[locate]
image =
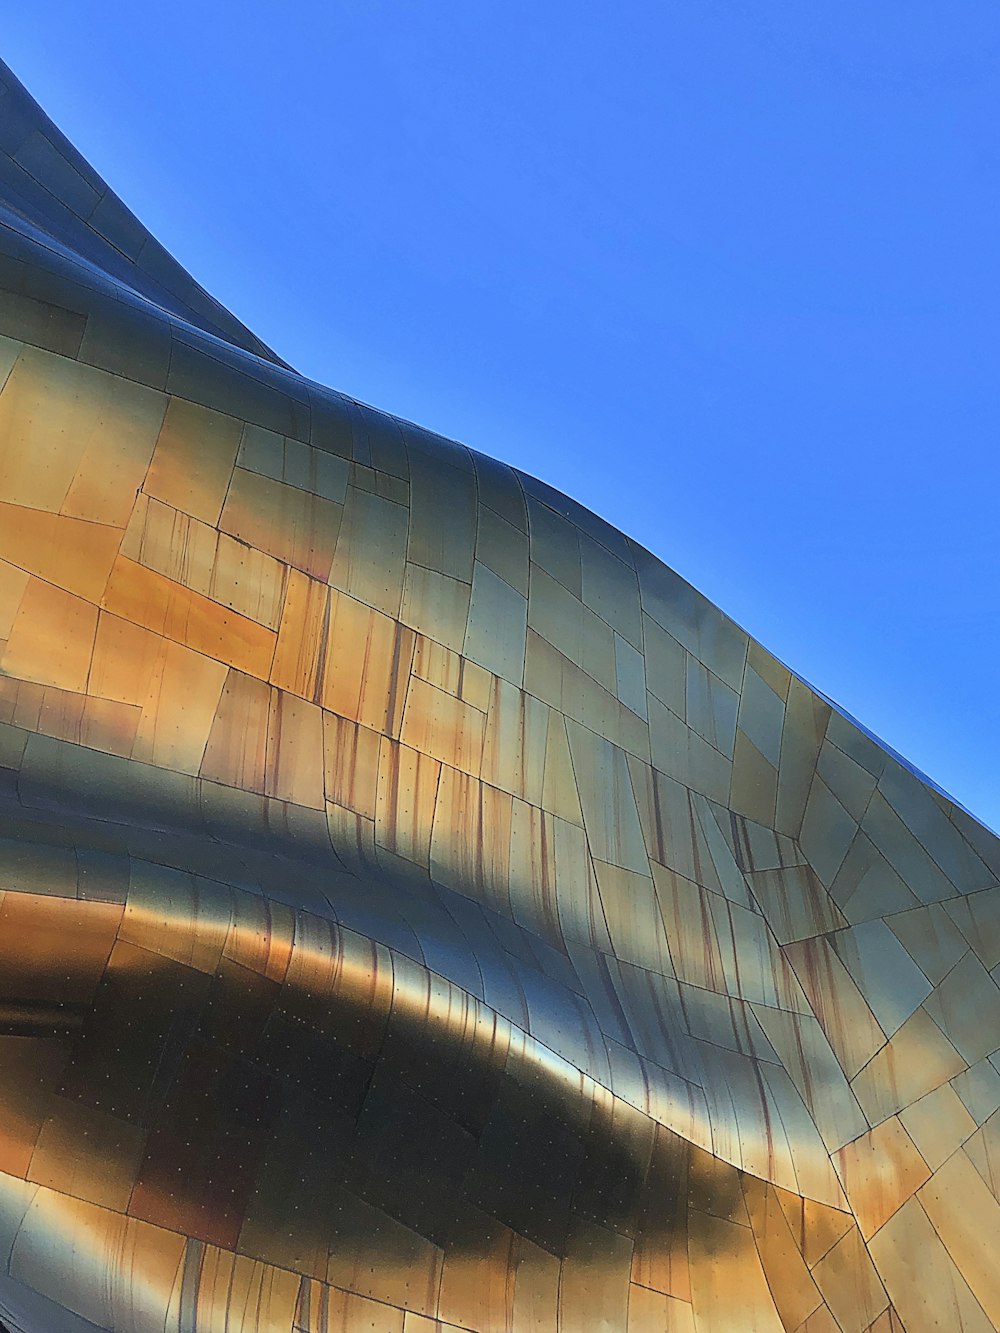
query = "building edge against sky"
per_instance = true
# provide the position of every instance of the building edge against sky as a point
(418, 903)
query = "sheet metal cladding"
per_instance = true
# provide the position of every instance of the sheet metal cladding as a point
(420, 909)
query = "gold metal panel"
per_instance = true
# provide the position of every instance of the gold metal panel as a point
(294, 765)
(143, 597)
(13, 582)
(966, 1215)
(100, 724)
(471, 840)
(125, 658)
(978, 918)
(178, 710)
(918, 1059)
(477, 1280)
(966, 1007)
(371, 550)
(536, 1289)
(351, 764)
(652, 1312)
(52, 638)
(794, 903)
(439, 666)
(866, 886)
(577, 632)
(438, 724)
(557, 681)
(436, 605)
(236, 752)
(842, 1012)
(515, 742)
(74, 439)
(503, 548)
(194, 458)
(633, 916)
(366, 680)
(560, 794)
(404, 802)
(880, 1170)
(926, 1287)
(33, 1067)
(610, 815)
(730, 1296)
(611, 589)
(295, 526)
(205, 560)
(594, 1287)
(795, 1293)
(72, 554)
(754, 789)
(533, 885)
(301, 646)
(177, 915)
(498, 621)
(850, 1284)
(938, 1124)
(806, 718)
(682, 754)
(812, 1066)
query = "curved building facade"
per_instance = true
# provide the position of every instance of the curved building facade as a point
(420, 909)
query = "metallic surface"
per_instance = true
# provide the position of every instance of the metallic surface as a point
(419, 908)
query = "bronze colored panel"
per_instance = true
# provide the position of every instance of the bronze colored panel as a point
(351, 764)
(52, 638)
(404, 804)
(371, 550)
(850, 1284)
(294, 766)
(194, 459)
(907, 1244)
(734, 1297)
(75, 440)
(436, 605)
(471, 840)
(33, 1066)
(442, 726)
(918, 1059)
(236, 753)
(795, 1293)
(203, 1148)
(880, 1170)
(178, 709)
(35, 926)
(301, 647)
(143, 597)
(367, 683)
(294, 526)
(68, 552)
(839, 1006)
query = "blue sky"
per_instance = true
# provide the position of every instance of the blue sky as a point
(729, 274)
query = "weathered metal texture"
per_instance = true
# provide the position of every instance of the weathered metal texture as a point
(419, 908)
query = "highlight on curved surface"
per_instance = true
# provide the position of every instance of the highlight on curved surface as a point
(419, 908)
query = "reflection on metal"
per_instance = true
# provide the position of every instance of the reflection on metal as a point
(419, 908)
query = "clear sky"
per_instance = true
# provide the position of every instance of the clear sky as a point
(727, 273)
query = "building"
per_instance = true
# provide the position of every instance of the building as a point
(419, 908)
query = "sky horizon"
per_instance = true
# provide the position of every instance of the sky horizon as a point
(730, 280)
